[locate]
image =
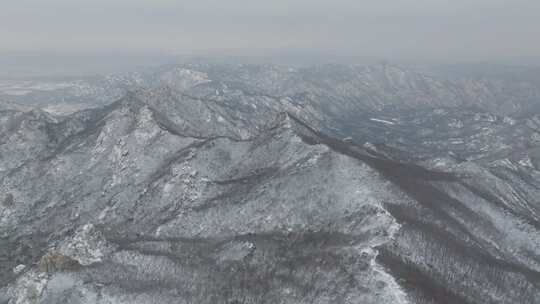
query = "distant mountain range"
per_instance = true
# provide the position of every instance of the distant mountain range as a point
(209, 183)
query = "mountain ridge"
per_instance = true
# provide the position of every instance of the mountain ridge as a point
(156, 199)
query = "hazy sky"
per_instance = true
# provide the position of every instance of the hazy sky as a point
(430, 29)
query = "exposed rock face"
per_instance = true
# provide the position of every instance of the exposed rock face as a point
(214, 191)
(52, 262)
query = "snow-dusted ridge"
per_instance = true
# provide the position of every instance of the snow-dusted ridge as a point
(266, 192)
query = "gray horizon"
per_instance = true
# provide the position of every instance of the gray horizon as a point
(406, 30)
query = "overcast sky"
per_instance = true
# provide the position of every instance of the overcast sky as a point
(451, 30)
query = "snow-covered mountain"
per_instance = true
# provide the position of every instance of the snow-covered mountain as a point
(261, 184)
(376, 87)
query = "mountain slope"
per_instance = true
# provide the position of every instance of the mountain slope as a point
(236, 201)
(173, 195)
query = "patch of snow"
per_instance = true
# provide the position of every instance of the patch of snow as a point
(19, 268)
(236, 251)
(28, 288)
(87, 246)
(383, 121)
(526, 162)
(509, 121)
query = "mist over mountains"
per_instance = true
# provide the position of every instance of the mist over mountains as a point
(249, 183)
